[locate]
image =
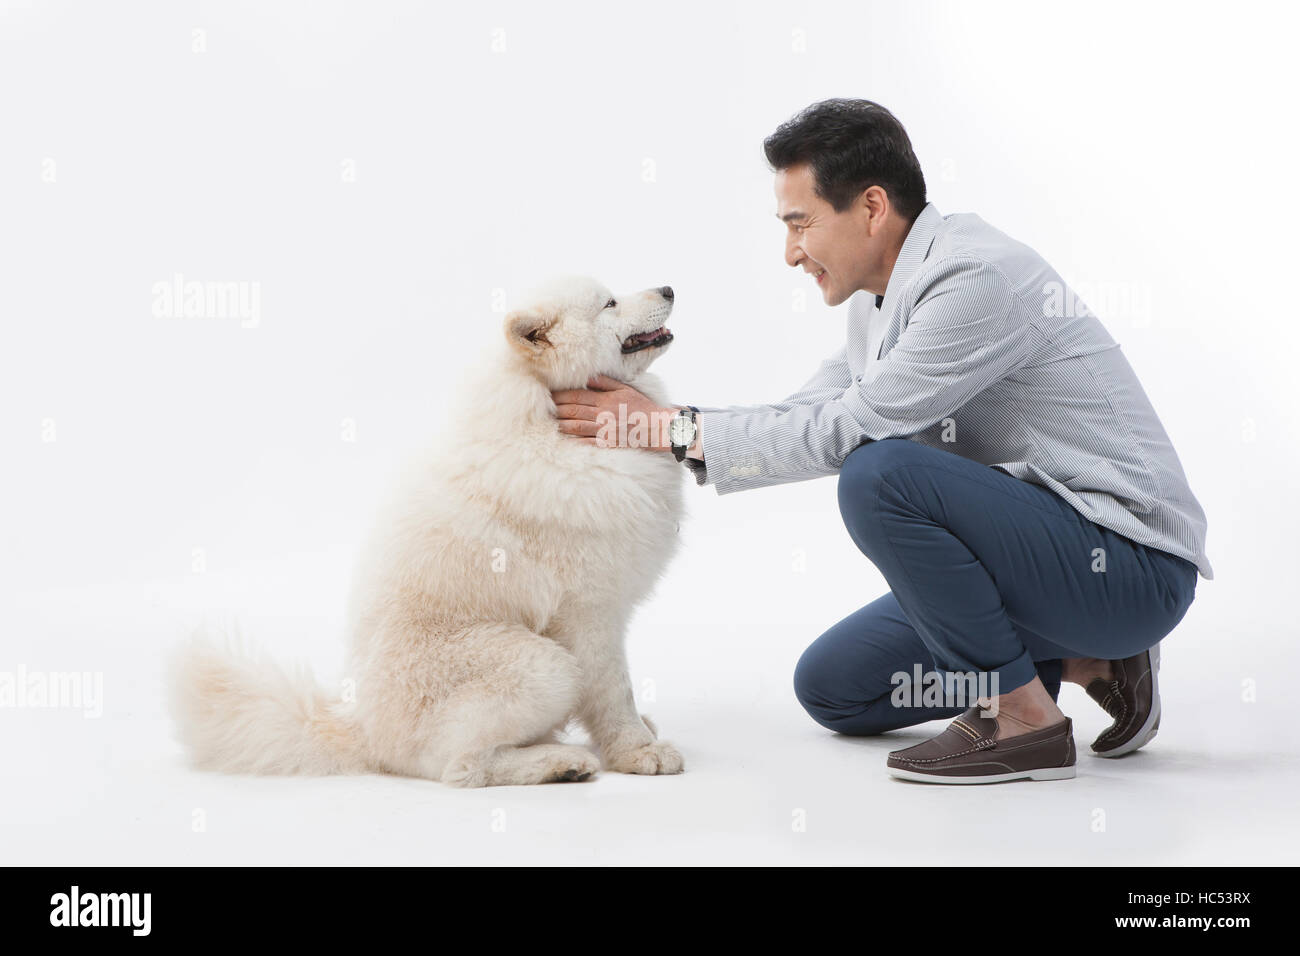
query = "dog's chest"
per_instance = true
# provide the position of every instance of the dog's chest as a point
(635, 531)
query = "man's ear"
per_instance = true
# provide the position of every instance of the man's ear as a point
(526, 329)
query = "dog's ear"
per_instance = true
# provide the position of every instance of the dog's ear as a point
(526, 329)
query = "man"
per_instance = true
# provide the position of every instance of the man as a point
(998, 461)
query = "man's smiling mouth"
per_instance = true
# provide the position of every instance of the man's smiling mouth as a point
(647, 340)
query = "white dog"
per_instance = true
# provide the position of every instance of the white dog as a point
(491, 604)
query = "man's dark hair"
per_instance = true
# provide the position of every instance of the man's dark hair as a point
(850, 145)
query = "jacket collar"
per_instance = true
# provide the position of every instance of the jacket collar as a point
(915, 248)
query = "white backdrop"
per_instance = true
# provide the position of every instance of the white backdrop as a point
(380, 178)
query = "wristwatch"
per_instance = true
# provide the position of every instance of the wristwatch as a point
(682, 430)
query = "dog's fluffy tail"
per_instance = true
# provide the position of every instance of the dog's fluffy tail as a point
(237, 711)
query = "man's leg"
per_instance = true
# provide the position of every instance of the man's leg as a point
(845, 678)
(975, 557)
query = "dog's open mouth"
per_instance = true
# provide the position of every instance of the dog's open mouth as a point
(647, 340)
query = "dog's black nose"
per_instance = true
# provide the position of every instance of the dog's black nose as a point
(666, 292)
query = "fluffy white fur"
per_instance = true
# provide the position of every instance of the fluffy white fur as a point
(490, 606)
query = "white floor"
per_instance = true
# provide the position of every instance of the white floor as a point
(763, 784)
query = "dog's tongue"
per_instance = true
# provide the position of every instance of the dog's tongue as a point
(649, 336)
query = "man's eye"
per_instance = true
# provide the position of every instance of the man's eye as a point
(610, 304)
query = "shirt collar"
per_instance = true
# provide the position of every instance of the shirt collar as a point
(913, 253)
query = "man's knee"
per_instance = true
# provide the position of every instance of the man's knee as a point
(807, 683)
(869, 461)
(859, 483)
(813, 691)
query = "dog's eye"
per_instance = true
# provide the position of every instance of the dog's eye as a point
(610, 304)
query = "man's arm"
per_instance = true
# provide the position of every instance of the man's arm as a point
(967, 330)
(828, 382)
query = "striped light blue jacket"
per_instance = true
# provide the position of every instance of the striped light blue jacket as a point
(984, 352)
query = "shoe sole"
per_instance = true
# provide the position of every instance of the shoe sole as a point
(1042, 773)
(1149, 727)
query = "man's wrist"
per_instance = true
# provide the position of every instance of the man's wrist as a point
(696, 450)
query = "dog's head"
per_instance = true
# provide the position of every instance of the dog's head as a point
(573, 328)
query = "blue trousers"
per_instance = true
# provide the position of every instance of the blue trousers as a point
(988, 574)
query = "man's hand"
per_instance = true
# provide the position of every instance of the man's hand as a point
(610, 414)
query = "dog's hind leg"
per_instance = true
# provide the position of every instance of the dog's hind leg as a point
(507, 766)
(498, 726)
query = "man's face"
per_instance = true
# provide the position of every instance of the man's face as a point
(844, 247)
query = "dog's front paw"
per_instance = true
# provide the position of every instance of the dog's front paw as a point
(465, 772)
(657, 757)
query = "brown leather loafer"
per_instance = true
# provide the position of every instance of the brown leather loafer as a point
(966, 752)
(1132, 699)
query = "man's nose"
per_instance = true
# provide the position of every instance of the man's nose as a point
(793, 256)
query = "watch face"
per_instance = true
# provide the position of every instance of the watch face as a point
(681, 431)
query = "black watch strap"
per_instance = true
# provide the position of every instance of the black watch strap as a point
(696, 465)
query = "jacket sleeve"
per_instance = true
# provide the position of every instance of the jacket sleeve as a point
(827, 383)
(967, 330)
